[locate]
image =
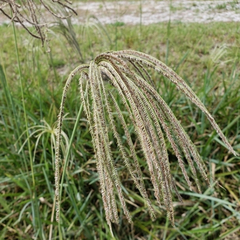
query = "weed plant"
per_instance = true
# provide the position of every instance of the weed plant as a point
(31, 89)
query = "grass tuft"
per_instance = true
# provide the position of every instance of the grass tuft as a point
(188, 50)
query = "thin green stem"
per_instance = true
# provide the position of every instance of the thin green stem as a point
(66, 160)
(35, 213)
(23, 104)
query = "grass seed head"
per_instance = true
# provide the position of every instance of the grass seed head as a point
(154, 125)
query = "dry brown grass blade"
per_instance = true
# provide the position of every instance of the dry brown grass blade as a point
(31, 13)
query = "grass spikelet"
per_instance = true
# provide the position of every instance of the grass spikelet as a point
(154, 125)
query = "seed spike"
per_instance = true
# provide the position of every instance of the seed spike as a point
(154, 124)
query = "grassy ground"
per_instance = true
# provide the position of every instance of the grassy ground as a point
(207, 56)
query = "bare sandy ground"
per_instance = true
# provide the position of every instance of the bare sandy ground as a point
(149, 11)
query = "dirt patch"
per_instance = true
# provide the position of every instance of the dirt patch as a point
(147, 12)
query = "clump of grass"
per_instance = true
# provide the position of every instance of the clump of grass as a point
(211, 215)
(155, 125)
(221, 6)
